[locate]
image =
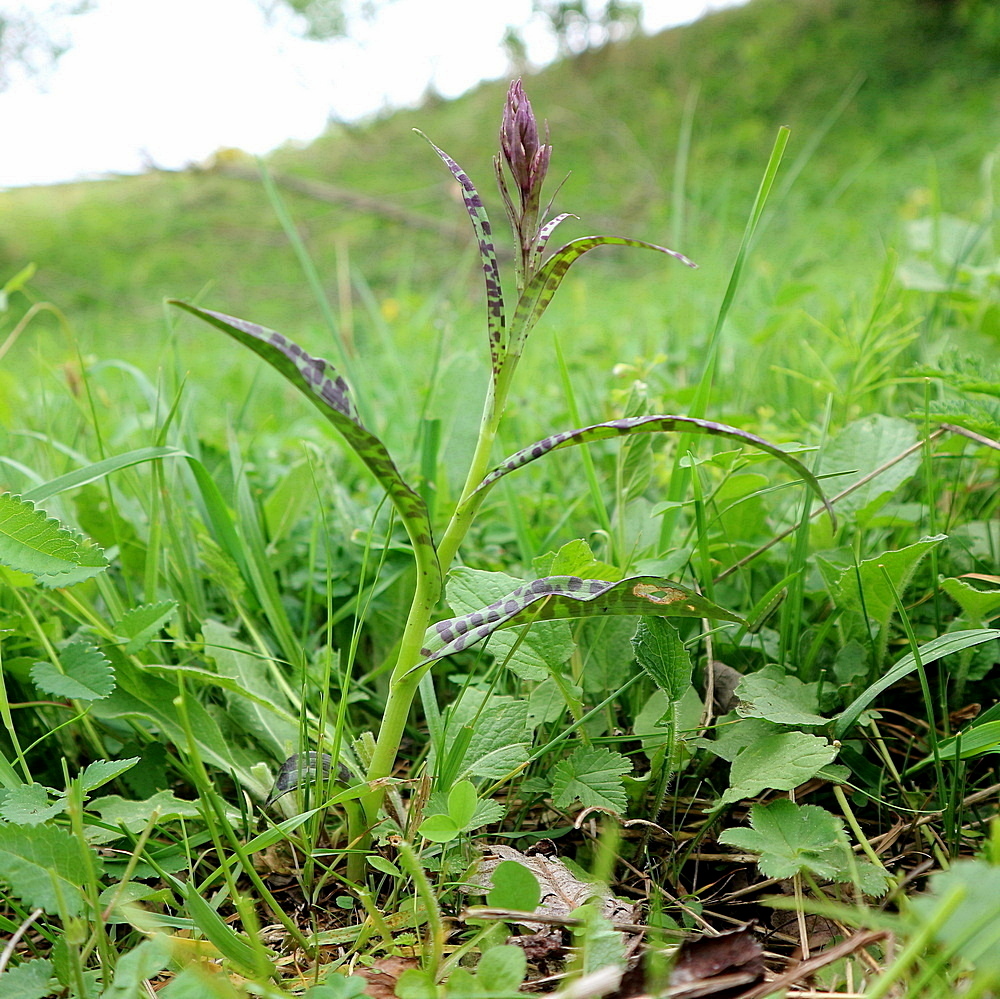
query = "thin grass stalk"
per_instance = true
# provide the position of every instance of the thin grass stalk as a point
(679, 475)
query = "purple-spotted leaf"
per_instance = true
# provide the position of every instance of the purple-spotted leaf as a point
(555, 598)
(648, 425)
(318, 381)
(545, 232)
(495, 318)
(542, 286)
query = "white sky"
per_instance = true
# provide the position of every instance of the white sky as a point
(169, 81)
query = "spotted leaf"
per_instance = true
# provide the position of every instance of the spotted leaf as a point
(496, 320)
(648, 425)
(319, 382)
(542, 286)
(554, 598)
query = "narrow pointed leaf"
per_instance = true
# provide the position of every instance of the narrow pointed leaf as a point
(546, 231)
(491, 271)
(561, 597)
(99, 469)
(649, 425)
(319, 382)
(541, 288)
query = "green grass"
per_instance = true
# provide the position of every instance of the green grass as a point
(259, 584)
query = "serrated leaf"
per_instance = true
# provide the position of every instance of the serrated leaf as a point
(648, 425)
(317, 379)
(565, 597)
(44, 867)
(660, 652)
(864, 588)
(86, 674)
(859, 449)
(29, 805)
(593, 777)
(98, 774)
(781, 761)
(791, 838)
(29, 980)
(141, 623)
(772, 694)
(33, 543)
(135, 815)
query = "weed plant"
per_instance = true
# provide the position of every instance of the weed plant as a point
(680, 669)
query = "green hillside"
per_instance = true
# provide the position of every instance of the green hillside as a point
(891, 116)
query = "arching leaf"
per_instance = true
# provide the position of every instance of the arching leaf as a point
(319, 382)
(648, 425)
(555, 598)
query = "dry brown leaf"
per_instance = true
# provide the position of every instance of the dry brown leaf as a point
(383, 975)
(562, 891)
(720, 966)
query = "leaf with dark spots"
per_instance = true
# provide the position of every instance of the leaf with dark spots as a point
(495, 318)
(542, 286)
(720, 966)
(649, 425)
(555, 598)
(320, 383)
(546, 231)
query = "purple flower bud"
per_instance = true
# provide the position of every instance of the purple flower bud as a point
(527, 159)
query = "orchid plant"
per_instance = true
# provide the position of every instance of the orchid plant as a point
(521, 166)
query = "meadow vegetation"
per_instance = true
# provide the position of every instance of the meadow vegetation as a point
(704, 706)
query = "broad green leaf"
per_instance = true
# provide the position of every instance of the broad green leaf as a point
(320, 383)
(135, 815)
(99, 469)
(575, 559)
(86, 674)
(499, 734)
(859, 449)
(29, 980)
(415, 983)
(194, 982)
(661, 653)
(501, 969)
(977, 604)
(383, 865)
(781, 762)
(601, 947)
(141, 623)
(29, 805)
(139, 964)
(514, 887)
(545, 647)
(930, 652)
(791, 838)
(972, 926)
(439, 829)
(141, 694)
(462, 800)
(648, 425)
(338, 987)
(592, 776)
(864, 588)
(732, 737)
(772, 694)
(31, 542)
(495, 317)
(539, 291)
(98, 773)
(267, 717)
(564, 597)
(124, 896)
(44, 867)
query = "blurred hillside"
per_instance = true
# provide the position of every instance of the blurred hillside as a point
(893, 112)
